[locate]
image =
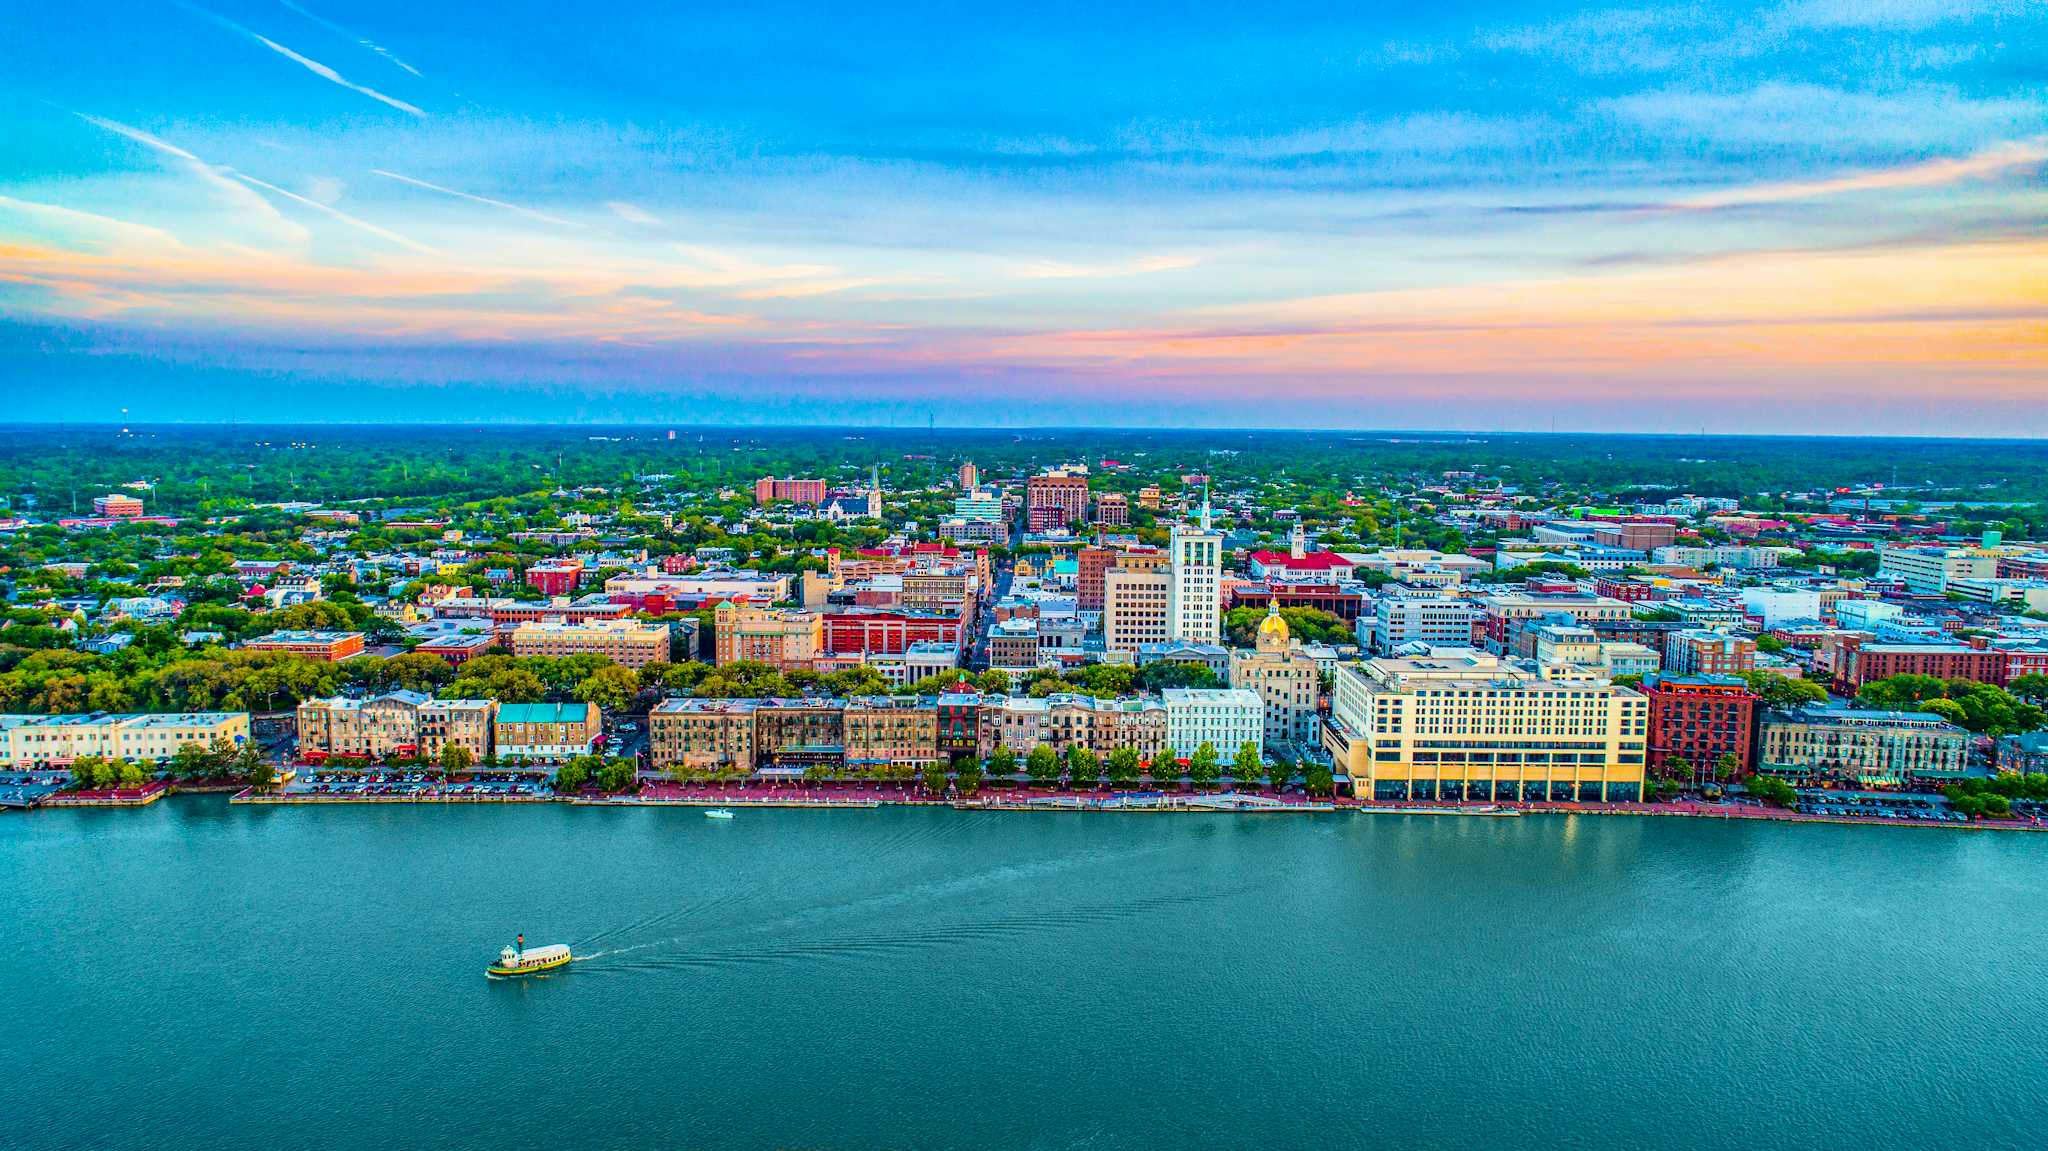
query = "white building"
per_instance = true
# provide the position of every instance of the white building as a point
(1194, 590)
(1225, 718)
(1865, 614)
(1776, 606)
(1417, 616)
(28, 740)
(1928, 570)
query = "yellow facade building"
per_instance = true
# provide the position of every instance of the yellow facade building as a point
(1463, 725)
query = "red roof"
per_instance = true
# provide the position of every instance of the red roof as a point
(1313, 561)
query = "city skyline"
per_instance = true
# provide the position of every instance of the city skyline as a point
(1811, 215)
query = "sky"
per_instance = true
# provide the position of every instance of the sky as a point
(1783, 216)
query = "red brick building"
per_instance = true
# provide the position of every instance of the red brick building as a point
(1875, 661)
(1699, 719)
(1055, 500)
(769, 490)
(1092, 563)
(875, 632)
(1344, 603)
(555, 577)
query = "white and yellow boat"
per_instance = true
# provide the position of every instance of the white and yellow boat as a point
(524, 960)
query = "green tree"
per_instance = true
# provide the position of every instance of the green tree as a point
(1042, 765)
(1771, 790)
(1084, 768)
(1318, 779)
(260, 774)
(934, 778)
(967, 774)
(1249, 767)
(191, 761)
(455, 758)
(91, 773)
(1125, 765)
(571, 776)
(1002, 763)
(1780, 691)
(610, 687)
(1165, 769)
(2032, 688)
(1205, 767)
(618, 775)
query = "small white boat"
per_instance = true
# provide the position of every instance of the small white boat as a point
(718, 813)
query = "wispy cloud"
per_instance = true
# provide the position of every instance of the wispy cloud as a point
(309, 64)
(326, 73)
(1059, 270)
(1904, 14)
(1990, 162)
(338, 214)
(220, 178)
(101, 231)
(630, 213)
(338, 30)
(473, 198)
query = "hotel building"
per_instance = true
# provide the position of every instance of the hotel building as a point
(1460, 724)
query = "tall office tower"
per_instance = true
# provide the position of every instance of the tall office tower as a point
(1194, 594)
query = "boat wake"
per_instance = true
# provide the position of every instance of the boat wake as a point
(675, 955)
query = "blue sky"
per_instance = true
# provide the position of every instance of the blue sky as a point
(1795, 215)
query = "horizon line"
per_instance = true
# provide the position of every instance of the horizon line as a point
(1008, 429)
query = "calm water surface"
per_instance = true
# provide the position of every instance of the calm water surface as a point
(201, 976)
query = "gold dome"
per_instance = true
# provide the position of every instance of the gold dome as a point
(1273, 633)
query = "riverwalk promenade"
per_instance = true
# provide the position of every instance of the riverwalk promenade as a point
(867, 796)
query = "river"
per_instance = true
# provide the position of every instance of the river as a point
(196, 975)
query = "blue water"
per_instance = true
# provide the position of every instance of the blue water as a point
(199, 976)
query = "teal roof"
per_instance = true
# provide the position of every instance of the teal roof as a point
(543, 712)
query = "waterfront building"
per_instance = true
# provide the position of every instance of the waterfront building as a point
(1065, 720)
(138, 737)
(1466, 725)
(396, 723)
(706, 735)
(320, 646)
(890, 731)
(1867, 748)
(545, 731)
(1286, 681)
(1224, 718)
(1698, 720)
